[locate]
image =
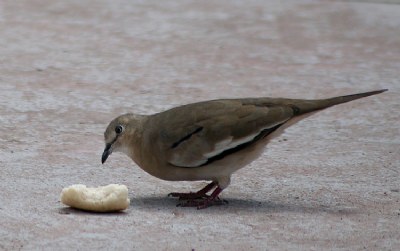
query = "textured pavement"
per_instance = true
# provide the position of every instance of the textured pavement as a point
(331, 182)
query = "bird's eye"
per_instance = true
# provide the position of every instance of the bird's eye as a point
(119, 129)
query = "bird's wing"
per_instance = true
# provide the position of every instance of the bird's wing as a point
(210, 131)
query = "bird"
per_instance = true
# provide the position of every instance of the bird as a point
(209, 140)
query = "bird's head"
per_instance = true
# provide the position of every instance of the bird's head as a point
(118, 134)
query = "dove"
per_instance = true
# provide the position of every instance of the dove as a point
(208, 140)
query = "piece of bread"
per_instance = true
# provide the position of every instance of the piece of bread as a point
(108, 198)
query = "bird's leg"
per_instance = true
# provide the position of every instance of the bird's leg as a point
(196, 195)
(205, 202)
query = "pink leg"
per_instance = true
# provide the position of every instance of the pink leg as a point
(205, 202)
(196, 195)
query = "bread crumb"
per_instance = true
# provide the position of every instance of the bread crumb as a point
(113, 197)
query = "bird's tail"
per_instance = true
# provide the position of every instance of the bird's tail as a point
(306, 106)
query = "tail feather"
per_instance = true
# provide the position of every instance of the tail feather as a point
(306, 106)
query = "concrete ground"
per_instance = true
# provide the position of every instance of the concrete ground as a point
(67, 68)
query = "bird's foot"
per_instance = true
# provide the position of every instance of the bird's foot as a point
(201, 194)
(200, 199)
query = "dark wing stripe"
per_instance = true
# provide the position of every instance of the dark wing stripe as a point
(177, 143)
(225, 153)
(296, 110)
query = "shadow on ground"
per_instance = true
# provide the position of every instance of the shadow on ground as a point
(70, 210)
(246, 205)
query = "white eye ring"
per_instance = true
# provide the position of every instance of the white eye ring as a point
(119, 129)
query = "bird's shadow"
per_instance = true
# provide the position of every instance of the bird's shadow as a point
(235, 205)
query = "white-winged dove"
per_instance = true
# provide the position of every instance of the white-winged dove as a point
(208, 140)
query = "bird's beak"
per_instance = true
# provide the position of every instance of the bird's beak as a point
(106, 153)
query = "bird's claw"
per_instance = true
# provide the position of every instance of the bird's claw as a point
(200, 199)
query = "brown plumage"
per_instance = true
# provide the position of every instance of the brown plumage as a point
(208, 140)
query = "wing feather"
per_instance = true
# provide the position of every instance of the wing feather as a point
(207, 134)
